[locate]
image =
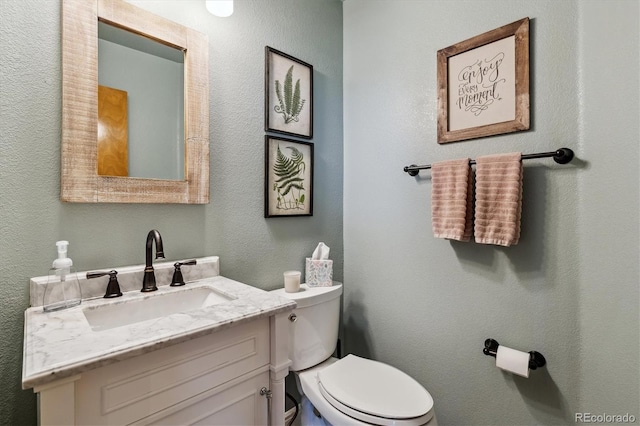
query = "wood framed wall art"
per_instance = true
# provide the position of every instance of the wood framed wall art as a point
(483, 84)
(288, 95)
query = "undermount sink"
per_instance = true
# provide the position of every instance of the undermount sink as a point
(153, 306)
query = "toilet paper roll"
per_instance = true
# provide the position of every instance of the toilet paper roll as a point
(516, 362)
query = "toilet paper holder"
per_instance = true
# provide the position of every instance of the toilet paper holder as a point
(536, 359)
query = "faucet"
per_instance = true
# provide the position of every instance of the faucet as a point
(149, 280)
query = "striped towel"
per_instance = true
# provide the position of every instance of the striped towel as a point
(452, 199)
(498, 199)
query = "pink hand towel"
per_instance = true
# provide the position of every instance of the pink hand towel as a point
(452, 199)
(498, 199)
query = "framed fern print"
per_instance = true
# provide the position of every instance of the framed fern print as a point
(288, 177)
(288, 95)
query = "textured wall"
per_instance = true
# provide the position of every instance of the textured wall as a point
(608, 197)
(569, 289)
(252, 249)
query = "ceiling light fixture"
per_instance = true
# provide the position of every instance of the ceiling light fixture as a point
(221, 8)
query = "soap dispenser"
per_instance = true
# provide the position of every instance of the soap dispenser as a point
(63, 289)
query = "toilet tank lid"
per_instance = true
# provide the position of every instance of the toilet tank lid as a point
(309, 296)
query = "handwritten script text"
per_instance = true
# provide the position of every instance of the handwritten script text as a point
(479, 84)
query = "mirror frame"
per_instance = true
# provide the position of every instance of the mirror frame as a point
(80, 181)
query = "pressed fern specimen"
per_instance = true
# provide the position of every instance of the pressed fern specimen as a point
(290, 105)
(289, 173)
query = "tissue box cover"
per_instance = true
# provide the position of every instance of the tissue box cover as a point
(319, 273)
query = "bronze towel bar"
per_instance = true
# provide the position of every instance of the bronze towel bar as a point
(560, 156)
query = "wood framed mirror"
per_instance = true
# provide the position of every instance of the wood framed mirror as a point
(80, 181)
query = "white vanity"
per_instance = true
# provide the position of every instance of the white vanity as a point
(214, 351)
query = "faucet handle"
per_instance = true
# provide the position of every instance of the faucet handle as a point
(177, 279)
(113, 288)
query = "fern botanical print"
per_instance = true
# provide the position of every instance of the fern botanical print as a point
(289, 184)
(290, 105)
(288, 177)
(288, 99)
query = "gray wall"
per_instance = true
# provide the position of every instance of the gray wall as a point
(252, 249)
(569, 289)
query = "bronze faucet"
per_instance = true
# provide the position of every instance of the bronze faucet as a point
(149, 280)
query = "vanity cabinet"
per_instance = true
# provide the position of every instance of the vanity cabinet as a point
(194, 364)
(215, 379)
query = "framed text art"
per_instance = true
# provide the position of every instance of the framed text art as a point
(288, 177)
(288, 95)
(483, 84)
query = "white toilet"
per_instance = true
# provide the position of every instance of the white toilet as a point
(351, 390)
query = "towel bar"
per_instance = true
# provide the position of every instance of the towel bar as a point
(560, 156)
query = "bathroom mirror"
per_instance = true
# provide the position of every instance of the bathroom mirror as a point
(140, 106)
(80, 181)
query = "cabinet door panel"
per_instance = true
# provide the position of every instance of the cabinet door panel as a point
(239, 405)
(133, 389)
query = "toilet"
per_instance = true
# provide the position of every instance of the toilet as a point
(351, 390)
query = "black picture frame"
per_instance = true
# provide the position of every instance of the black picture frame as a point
(288, 177)
(288, 95)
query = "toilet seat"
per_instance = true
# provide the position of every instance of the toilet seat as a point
(375, 392)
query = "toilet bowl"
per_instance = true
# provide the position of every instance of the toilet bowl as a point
(351, 390)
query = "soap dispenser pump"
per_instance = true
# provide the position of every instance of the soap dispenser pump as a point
(63, 289)
(63, 264)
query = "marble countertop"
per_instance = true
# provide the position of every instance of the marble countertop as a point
(62, 344)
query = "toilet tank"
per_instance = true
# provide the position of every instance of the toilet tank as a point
(314, 333)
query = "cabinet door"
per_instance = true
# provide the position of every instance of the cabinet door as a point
(240, 404)
(133, 389)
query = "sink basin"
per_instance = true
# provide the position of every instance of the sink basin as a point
(110, 316)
